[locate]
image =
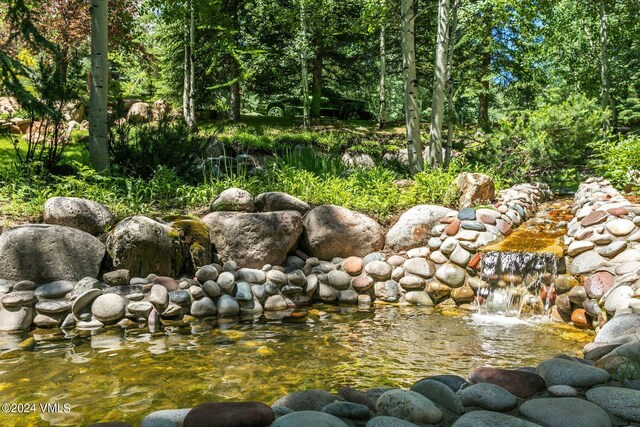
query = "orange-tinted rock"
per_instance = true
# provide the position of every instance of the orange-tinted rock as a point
(353, 265)
(548, 293)
(168, 282)
(437, 291)
(453, 227)
(618, 211)
(486, 219)
(595, 217)
(463, 294)
(598, 284)
(580, 319)
(362, 283)
(475, 260)
(503, 227)
(519, 383)
(447, 219)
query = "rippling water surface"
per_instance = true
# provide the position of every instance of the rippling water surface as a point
(124, 375)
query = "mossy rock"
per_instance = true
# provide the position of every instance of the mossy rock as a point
(194, 235)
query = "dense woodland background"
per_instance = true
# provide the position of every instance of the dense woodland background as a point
(522, 90)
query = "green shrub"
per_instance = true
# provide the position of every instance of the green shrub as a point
(550, 144)
(139, 150)
(618, 159)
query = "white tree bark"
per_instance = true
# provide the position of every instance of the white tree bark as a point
(186, 85)
(303, 64)
(412, 114)
(192, 43)
(604, 64)
(439, 82)
(382, 116)
(99, 87)
(453, 25)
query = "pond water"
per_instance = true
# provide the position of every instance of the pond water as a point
(124, 375)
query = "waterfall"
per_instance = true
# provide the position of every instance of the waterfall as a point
(516, 281)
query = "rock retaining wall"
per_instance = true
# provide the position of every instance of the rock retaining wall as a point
(146, 255)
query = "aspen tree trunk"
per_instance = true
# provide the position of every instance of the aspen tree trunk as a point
(382, 116)
(453, 25)
(439, 82)
(303, 64)
(234, 69)
(316, 84)
(192, 71)
(99, 87)
(186, 85)
(604, 65)
(412, 114)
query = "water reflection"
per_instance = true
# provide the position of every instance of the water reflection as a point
(123, 375)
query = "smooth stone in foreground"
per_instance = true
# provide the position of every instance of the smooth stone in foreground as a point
(229, 414)
(488, 396)
(168, 417)
(491, 419)
(385, 421)
(623, 402)
(109, 308)
(306, 400)
(353, 411)
(519, 383)
(439, 393)
(617, 326)
(563, 391)
(409, 406)
(308, 418)
(565, 412)
(559, 371)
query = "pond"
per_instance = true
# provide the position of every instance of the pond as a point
(123, 375)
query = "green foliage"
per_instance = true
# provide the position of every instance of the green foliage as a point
(139, 150)
(618, 159)
(550, 144)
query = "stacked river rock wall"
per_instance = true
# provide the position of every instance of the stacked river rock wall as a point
(146, 255)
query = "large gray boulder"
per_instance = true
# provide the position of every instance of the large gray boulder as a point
(144, 246)
(333, 231)
(85, 215)
(278, 201)
(413, 229)
(475, 189)
(233, 199)
(45, 253)
(254, 239)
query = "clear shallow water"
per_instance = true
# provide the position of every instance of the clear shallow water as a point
(120, 375)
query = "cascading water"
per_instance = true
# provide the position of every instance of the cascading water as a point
(517, 282)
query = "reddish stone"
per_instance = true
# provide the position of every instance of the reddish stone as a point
(362, 283)
(585, 233)
(487, 219)
(519, 383)
(593, 218)
(548, 293)
(229, 414)
(453, 227)
(598, 284)
(474, 261)
(618, 211)
(580, 319)
(168, 282)
(503, 227)
(353, 265)
(447, 219)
